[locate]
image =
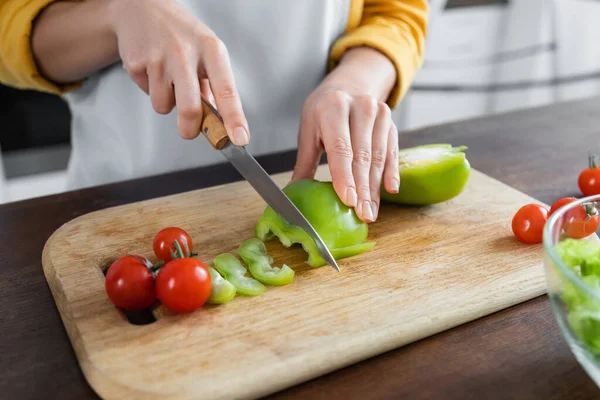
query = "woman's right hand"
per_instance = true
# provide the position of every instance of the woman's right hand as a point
(173, 57)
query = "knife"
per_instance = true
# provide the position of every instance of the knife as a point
(213, 129)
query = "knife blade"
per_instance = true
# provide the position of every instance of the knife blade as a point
(213, 129)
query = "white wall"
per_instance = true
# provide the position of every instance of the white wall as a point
(473, 50)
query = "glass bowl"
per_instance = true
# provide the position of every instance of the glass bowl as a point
(573, 286)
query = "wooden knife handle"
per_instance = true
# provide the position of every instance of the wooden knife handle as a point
(212, 126)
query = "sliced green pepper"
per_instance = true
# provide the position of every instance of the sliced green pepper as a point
(254, 254)
(430, 174)
(232, 269)
(342, 231)
(222, 290)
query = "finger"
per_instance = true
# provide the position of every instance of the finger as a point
(309, 150)
(207, 92)
(381, 130)
(141, 79)
(188, 101)
(161, 89)
(227, 98)
(362, 119)
(391, 175)
(333, 118)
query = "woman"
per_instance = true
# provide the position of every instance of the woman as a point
(321, 74)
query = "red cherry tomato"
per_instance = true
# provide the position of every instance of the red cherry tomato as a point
(183, 285)
(589, 181)
(164, 240)
(130, 283)
(528, 223)
(579, 222)
(559, 203)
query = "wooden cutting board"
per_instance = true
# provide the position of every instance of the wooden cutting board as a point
(433, 268)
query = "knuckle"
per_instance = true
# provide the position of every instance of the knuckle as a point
(214, 45)
(362, 157)
(378, 158)
(336, 100)
(162, 107)
(393, 153)
(135, 66)
(227, 91)
(363, 191)
(341, 148)
(383, 110)
(367, 105)
(156, 62)
(182, 50)
(192, 111)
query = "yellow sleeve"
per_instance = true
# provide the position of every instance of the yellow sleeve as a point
(17, 65)
(396, 28)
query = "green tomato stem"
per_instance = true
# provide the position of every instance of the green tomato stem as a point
(178, 251)
(592, 160)
(156, 267)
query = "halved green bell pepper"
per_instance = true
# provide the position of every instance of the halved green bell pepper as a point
(430, 174)
(222, 290)
(254, 254)
(232, 269)
(342, 231)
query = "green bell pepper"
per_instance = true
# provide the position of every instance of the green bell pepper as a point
(222, 290)
(254, 254)
(232, 270)
(342, 231)
(430, 174)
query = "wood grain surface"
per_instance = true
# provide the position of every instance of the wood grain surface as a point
(427, 273)
(517, 353)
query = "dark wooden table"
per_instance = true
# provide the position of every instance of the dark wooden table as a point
(518, 353)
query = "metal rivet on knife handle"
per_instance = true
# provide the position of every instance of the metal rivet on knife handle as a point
(212, 126)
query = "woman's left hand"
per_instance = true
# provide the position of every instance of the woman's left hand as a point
(349, 121)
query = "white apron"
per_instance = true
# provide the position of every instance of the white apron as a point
(279, 51)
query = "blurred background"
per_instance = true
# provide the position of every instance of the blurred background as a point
(483, 57)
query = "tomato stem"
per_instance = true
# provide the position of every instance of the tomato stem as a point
(590, 210)
(154, 268)
(592, 160)
(178, 250)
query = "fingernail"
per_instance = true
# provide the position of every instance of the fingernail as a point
(375, 210)
(240, 136)
(351, 197)
(395, 185)
(367, 212)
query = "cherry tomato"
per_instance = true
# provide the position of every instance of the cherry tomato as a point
(183, 285)
(589, 181)
(164, 240)
(559, 203)
(580, 222)
(130, 283)
(528, 223)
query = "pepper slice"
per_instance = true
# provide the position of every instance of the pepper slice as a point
(430, 174)
(222, 290)
(342, 231)
(232, 269)
(254, 254)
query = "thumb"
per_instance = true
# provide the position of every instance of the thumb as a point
(309, 154)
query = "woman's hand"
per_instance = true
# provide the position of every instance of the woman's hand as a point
(347, 118)
(170, 54)
(174, 57)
